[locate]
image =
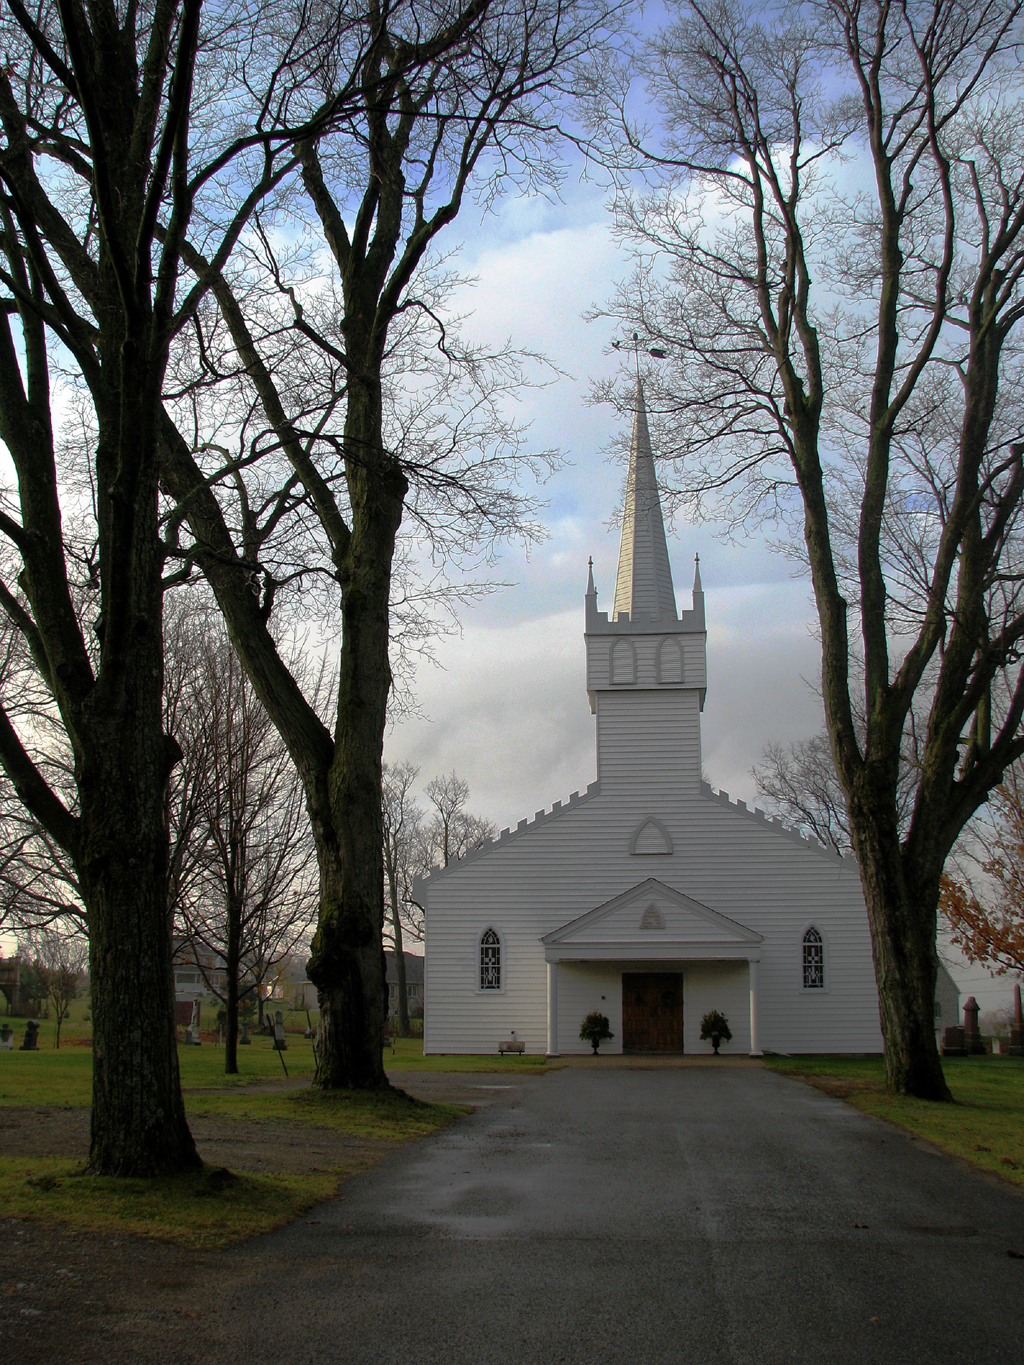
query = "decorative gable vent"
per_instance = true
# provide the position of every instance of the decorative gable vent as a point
(652, 918)
(650, 836)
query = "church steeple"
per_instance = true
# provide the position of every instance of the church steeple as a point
(643, 584)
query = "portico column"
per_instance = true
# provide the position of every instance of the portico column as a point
(755, 1049)
(552, 1009)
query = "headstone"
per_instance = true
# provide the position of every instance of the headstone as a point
(245, 1040)
(31, 1043)
(192, 1032)
(972, 1033)
(953, 1042)
(1017, 1027)
(279, 1042)
(7, 1038)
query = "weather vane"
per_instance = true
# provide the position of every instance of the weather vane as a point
(636, 346)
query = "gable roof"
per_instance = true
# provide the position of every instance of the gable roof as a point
(413, 967)
(684, 923)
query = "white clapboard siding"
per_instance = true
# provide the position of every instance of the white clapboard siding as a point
(564, 865)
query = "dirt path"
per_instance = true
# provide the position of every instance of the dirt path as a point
(261, 1146)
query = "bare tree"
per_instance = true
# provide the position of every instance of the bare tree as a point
(830, 256)
(478, 116)
(251, 895)
(123, 129)
(799, 784)
(402, 819)
(452, 831)
(38, 881)
(59, 959)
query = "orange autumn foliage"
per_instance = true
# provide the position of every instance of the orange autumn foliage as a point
(993, 934)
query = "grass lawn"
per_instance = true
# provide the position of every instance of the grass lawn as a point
(210, 1209)
(984, 1127)
(408, 1056)
(64, 1076)
(383, 1116)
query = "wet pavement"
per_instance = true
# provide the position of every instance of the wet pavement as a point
(641, 1214)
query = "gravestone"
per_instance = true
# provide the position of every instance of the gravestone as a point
(279, 1039)
(7, 1038)
(31, 1043)
(192, 1032)
(1017, 1027)
(245, 1040)
(953, 1042)
(972, 1033)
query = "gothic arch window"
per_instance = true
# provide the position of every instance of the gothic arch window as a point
(623, 662)
(813, 959)
(490, 960)
(670, 661)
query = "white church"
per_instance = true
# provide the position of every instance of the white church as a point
(650, 897)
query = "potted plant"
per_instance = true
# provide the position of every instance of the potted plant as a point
(594, 1030)
(714, 1029)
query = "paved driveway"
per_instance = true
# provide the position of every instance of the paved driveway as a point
(630, 1216)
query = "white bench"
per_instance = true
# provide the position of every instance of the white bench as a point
(512, 1047)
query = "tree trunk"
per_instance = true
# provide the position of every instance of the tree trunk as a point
(231, 1003)
(902, 917)
(396, 929)
(347, 962)
(138, 1116)
(403, 994)
(347, 967)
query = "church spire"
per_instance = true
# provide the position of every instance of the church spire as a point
(643, 584)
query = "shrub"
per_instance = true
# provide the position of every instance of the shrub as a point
(714, 1029)
(594, 1030)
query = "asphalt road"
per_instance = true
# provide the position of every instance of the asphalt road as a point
(634, 1216)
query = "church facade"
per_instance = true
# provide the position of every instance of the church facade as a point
(650, 897)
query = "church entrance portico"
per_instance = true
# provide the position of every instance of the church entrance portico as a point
(654, 961)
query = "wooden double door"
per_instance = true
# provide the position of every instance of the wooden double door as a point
(652, 1012)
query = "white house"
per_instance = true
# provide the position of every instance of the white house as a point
(650, 897)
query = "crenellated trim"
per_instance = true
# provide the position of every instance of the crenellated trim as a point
(776, 826)
(542, 817)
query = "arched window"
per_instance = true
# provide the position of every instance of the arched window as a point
(490, 961)
(814, 960)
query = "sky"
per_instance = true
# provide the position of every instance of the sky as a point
(503, 703)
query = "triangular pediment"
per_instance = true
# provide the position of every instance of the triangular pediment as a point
(653, 913)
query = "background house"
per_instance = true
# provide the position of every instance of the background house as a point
(413, 984)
